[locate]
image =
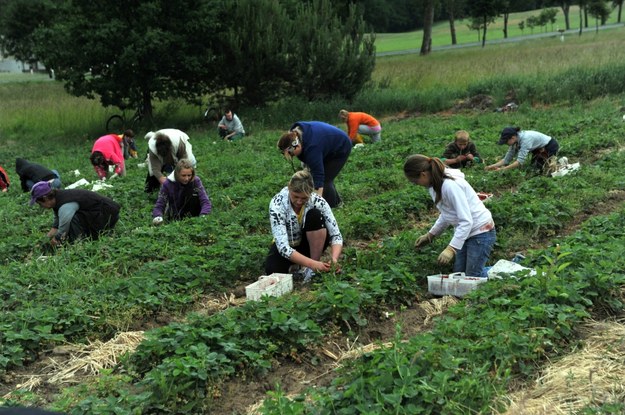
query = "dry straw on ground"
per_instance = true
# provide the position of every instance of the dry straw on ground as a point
(591, 375)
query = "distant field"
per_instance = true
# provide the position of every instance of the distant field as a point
(386, 42)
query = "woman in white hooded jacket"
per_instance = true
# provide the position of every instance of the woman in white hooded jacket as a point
(165, 148)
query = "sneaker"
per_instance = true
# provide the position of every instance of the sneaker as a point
(308, 275)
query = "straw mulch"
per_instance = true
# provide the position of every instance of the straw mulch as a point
(595, 374)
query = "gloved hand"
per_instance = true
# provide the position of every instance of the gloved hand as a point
(157, 220)
(423, 240)
(446, 256)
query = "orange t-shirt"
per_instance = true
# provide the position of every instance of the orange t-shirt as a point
(354, 119)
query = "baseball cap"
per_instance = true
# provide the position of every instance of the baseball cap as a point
(40, 189)
(506, 134)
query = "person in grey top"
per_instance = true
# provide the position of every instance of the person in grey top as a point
(521, 143)
(230, 127)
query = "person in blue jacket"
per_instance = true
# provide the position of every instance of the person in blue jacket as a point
(323, 148)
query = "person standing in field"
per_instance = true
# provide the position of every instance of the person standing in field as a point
(303, 226)
(108, 151)
(181, 196)
(323, 148)
(361, 123)
(78, 213)
(31, 173)
(461, 152)
(230, 127)
(460, 207)
(523, 142)
(165, 148)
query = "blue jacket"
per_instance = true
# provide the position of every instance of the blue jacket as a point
(322, 142)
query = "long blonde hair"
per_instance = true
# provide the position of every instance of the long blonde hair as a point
(418, 163)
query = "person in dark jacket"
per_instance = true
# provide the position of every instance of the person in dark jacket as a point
(31, 173)
(182, 195)
(324, 149)
(78, 213)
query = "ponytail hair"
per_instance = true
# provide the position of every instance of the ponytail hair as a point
(418, 163)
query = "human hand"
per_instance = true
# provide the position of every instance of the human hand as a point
(461, 157)
(491, 168)
(157, 220)
(321, 266)
(423, 240)
(162, 179)
(446, 256)
(55, 242)
(469, 156)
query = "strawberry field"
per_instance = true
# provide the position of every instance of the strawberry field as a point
(203, 349)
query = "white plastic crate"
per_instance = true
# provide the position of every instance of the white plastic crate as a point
(456, 284)
(273, 285)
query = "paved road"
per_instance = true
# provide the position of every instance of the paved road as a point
(508, 40)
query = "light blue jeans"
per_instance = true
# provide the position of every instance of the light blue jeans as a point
(373, 132)
(474, 254)
(55, 183)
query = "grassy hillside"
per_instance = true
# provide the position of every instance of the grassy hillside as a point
(386, 42)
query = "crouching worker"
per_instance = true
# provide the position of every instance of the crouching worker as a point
(78, 213)
(182, 195)
(460, 207)
(523, 142)
(303, 226)
(31, 173)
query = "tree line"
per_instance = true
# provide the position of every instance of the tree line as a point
(134, 52)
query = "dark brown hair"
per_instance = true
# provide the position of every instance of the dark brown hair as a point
(418, 163)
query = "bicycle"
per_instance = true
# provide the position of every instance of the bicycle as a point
(117, 124)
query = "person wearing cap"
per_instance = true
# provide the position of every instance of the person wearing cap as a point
(324, 149)
(165, 148)
(459, 206)
(521, 143)
(461, 152)
(361, 123)
(31, 173)
(108, 151)
(78, 213)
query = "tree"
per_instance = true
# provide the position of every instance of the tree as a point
(565, 5)
(455, 10)
(486, 11)
(547, 16)
(428, 23)
(531, 22)
(18, 22)
(504, 7)
(618, 4)
(600, 11)
(130, 53)
(327, 56)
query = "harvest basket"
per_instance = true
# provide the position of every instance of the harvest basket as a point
(456, 284)
(273, 285)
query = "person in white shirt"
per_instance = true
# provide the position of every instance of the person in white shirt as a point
(522, 143)
(460, 207)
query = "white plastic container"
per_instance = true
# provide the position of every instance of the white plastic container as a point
(456, 284)
(273, 285)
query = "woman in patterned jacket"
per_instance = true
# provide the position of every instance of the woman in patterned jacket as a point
(303, 226)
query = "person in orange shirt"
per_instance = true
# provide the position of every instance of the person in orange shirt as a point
(361, 123)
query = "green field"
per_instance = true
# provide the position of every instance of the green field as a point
(179, 287)
(387, 42)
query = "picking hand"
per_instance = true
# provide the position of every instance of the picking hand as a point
(423, 240)
(461, 157)
(446, 256)
(157, 220)
(470, 156)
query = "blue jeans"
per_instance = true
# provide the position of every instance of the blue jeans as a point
(55, 183)
(474, 254)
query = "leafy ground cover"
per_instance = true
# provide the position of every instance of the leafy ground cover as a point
(143, 277)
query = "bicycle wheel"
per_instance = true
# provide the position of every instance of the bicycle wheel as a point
(211, 114)
(115, 124)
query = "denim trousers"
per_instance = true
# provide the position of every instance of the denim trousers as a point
(474, 254)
